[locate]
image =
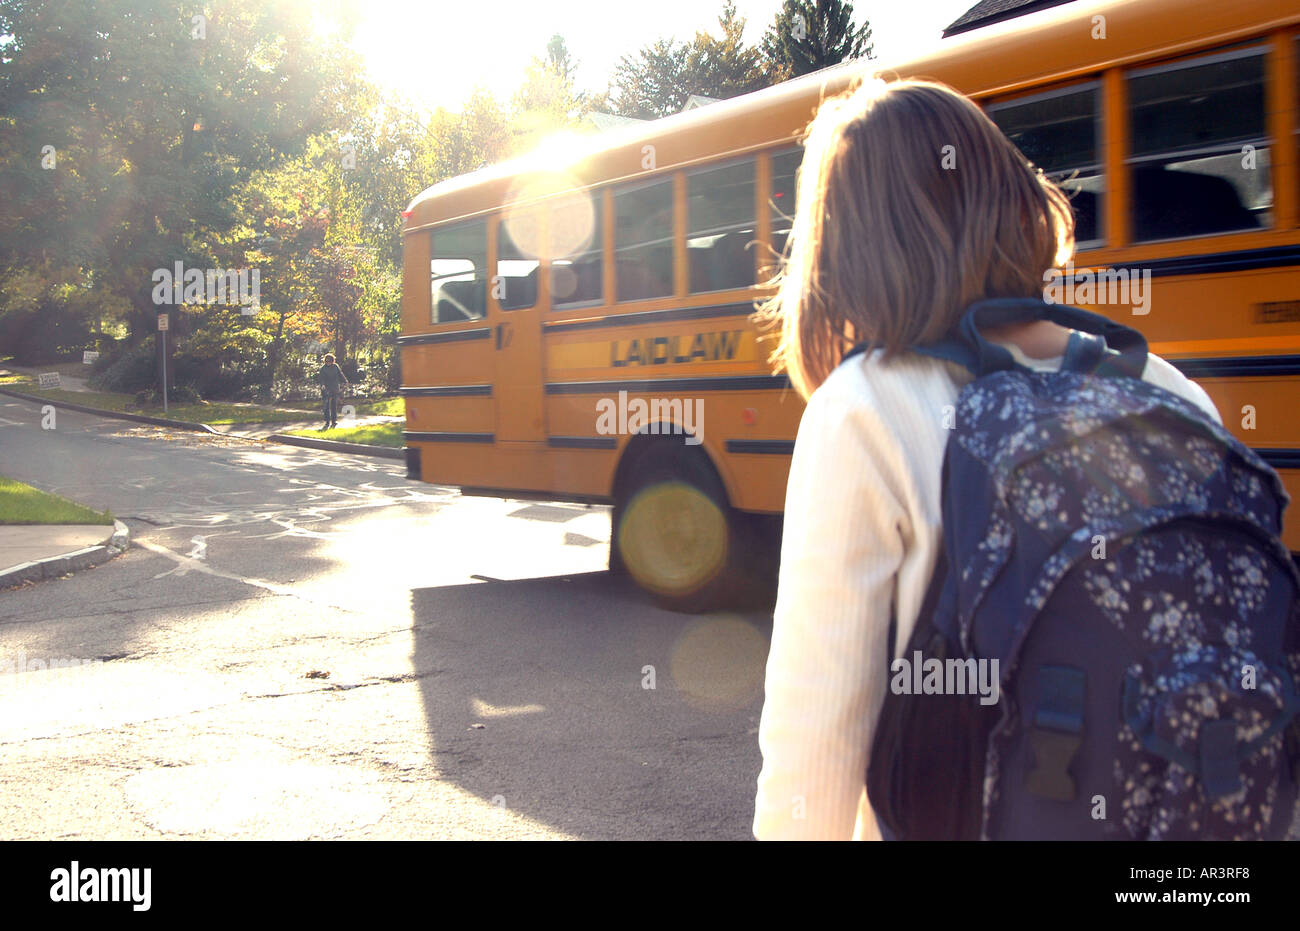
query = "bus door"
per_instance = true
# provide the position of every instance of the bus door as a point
(516, 307)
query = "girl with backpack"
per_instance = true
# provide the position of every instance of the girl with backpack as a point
(911, 207)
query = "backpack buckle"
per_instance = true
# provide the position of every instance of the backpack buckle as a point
(1057, 732)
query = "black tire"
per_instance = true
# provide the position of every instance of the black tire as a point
(675, 533)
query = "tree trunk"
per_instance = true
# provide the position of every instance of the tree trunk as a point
(273, 355)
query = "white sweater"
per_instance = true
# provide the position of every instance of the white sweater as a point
(862, 532)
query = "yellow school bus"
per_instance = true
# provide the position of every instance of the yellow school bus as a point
(576, 323)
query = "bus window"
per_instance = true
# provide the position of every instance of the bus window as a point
(643, 240)
(1058, 131)
(458, 272)
(785, 167)
(1200, 153)
(577, 252)
(516, 277)
(720, 227)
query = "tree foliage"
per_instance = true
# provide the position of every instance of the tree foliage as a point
(657, 80)
(152, 118)
(135, 134)
(808, 35)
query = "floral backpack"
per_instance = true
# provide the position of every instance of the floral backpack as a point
(1112, 560)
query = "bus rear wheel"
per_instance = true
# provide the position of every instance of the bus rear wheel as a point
(675, 534)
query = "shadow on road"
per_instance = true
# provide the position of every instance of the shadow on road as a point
(576, 703)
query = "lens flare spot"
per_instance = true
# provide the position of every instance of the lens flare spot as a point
(718, 663)
(673, 538)
(572, 217)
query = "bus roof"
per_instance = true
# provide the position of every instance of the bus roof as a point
(1054, 44)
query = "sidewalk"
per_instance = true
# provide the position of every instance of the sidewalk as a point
(31, 552)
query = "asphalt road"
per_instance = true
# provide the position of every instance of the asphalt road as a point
(307, 645)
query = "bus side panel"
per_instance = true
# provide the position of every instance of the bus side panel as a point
(751, 436)
(455, 463)
(765, 477)
(463, 362)
(450, 415)
(1261, 412)
(464, 424)
(1232, 313)
(678, 370)
(581, 473)
(728, 424)
(417, 296)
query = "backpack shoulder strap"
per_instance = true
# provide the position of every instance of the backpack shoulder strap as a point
(1107, 348)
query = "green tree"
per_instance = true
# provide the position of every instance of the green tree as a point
(657, 79)
(547, 101)
(808, 35)
(559, 60)
(284, 217)
(723, 66)
(157, 113)
(649, 83)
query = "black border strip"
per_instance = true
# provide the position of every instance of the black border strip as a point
(455, 336)
(1280, 458)
(761, 447)
(447, 437)
(1230, 366)
(448, 391)
(675, 385)
(582, 442)
(653, 316)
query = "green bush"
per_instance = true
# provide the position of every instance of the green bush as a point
(109, 352)
(130, 370)
(222, 357)
(179, 394)
(234, 380)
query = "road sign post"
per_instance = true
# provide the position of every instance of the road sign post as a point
(162, 335)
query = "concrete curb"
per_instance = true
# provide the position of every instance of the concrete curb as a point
(334, 446)
(55, 566)
(120, 415)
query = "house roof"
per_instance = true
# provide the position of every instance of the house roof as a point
(995, 11)
(697, 100)
(604, 121)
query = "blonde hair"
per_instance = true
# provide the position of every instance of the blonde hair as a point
(911, 205)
